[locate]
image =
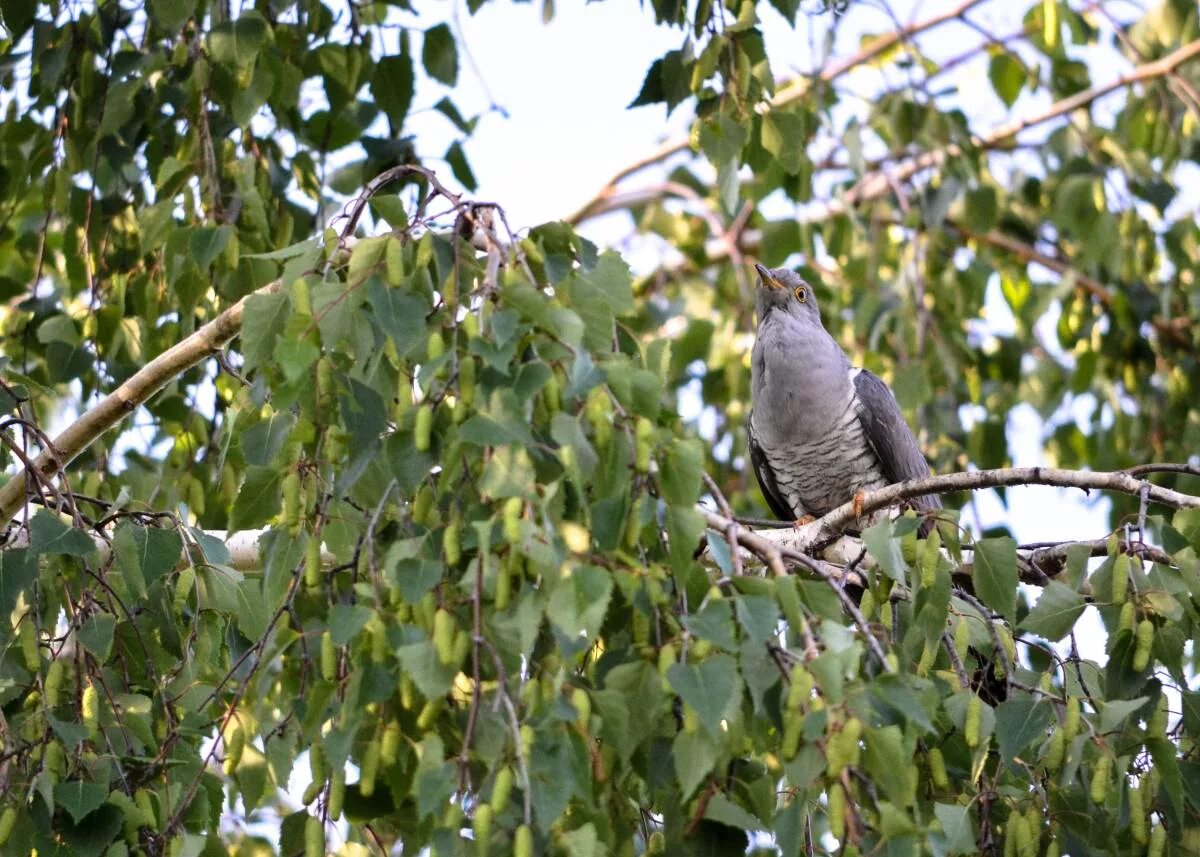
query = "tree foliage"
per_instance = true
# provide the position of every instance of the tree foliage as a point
(476, 610)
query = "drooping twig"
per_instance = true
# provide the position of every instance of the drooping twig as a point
(774, 557)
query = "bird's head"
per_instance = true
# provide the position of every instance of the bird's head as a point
(782, 289)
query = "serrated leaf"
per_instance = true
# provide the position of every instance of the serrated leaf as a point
(400, 314)
(238, 42)
(263, 320)
(680, 477)
(144, 554)
(263, 440)
(880, 543)
(206, 243)
(79, 798)
(392, 87)
(1019, 721)
(47, 534)
(1007, 75)
(1055, 613)
(578, 604)
(957, 827)
(709, 687)
(439, 54)
(258, 500)
(96, 635)
(346, 620)
(996, 574)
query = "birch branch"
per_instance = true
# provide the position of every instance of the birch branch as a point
(1119, 481)
(789, 93)
(125, 399)
(879, 183)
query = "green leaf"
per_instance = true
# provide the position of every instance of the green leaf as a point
(1114, 712)
(392, 86)
(579, 601)
(206, 243)
(457, 159)
(238, 42)
(18, 571)
(886, 754)
(1019, 721)
(420, 660)
(264, 319)
(346, 621)
(957, 826)
(885, 548)
(401, 315)
(759, 615)
(1055, 613)
(263, 441)
(258, 500)
(996, 574)
(79, 798)
(1008, 76)
(682, 471)
(710, 688)
(714, 623)
(144, 554)
(509, 473)
(47, 534)
(439, 54)
(171, 14)
(96, 635)
(18, 16)
(723, 810)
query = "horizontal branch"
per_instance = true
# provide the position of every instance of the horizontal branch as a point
(892, 495)
(127, 398)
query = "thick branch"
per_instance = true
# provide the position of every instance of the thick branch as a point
(127, 398)
(892, 495)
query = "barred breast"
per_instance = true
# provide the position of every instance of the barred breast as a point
(817, 474)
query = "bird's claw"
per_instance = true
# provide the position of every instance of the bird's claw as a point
(859, 497)
(802, 521)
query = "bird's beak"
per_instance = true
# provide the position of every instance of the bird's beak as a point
(767, 278)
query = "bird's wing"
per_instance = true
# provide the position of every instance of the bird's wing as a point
(889, 435)
(766, 479)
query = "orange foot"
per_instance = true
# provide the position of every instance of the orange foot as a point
(802, 520)
(858, 503)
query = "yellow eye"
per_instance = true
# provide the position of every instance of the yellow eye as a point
(801, 294)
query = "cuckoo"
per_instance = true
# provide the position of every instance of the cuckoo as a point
(821, 430)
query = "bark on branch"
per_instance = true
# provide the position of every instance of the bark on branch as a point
(974, 480)
(126, 399)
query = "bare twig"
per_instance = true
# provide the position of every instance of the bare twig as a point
(774, 556)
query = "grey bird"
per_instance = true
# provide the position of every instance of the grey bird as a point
(821, 430)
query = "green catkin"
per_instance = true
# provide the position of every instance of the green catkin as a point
(502, 790)
(1143, 642)
(937, 769)
(973, 721)
(1098, 789)
(1071, 719)
(1120, 578)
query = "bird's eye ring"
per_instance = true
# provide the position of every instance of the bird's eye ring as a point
(801, 294)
